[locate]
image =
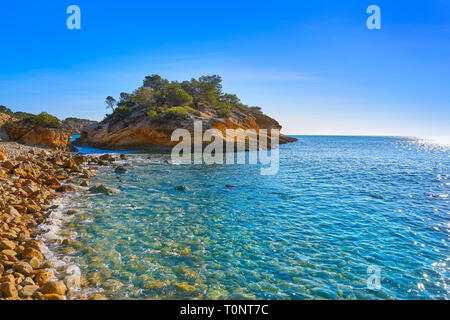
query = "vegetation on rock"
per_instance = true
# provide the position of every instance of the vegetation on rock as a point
(161, 99)
(44, 120)
(74, 122)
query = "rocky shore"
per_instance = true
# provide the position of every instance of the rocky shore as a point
(31, 178)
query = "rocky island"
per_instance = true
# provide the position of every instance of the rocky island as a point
(146, 118)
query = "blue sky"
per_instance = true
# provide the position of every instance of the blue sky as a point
(313, 65)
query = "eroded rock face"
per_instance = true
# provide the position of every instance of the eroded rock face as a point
(4, 118)
(142, 133)
(23, 132)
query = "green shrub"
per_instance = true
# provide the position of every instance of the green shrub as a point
(44, 120)
(193, 111)
(224, 109)
(6, 110)
(176, 113)
(152, 113)
(172, 113)
(256, 109)
(176, 96)
(121, 112)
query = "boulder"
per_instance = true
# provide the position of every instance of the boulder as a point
(23, 268)
(102, 189)
(57, 287)
(7, 244)
(9, 290)
(28, 290)
(53, 296)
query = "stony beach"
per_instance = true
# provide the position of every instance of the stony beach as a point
(31, 179)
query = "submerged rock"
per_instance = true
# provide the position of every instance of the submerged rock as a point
(120, 170)
(153, 284)
(182, 188)
(112, 285)
(71, 212)
(102, 189)
(184, 286)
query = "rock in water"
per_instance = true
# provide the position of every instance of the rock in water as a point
(102, 189)
(120, 170)
(182, 188)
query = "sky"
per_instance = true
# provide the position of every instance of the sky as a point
(312, 65)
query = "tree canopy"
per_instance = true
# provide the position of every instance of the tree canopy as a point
(162, 98)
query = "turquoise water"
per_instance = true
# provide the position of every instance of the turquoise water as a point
(338, 206)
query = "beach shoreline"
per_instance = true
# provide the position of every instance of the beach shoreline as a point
(33, 181)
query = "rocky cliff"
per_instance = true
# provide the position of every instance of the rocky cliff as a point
(27, 132)
(144, 133)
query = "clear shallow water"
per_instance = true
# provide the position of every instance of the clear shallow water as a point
(337, 206)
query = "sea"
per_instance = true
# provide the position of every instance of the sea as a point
(344, 218)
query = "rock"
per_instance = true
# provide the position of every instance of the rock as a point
(53, 182)
(112, 285)
(53, 296)
(120, 170)
(73, 281)
(97, 296)
(13, 212)
(27, 282)
(9, 290)
(230, 186)
(38, 295)
(30, 189)
(9, 253)
(138, 132)
(153, 284)
(24, 132)
(3, 154)
(7, 244)
(216, 293)
(34, 262)
(8, 165)
(28, 290)
(57, 287)
(66, 188)
(23, 268)
(71, 212)
(102, 189)
(182, 188)
(107, 157)
(73, 277)
(43, 276)
(85, 183)
(7, 278)
(184, 286)
(2, 269)
(32, 252)
(70, 163)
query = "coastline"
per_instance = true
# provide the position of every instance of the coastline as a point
(34, 183)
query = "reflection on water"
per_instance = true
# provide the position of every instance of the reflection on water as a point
(337, 206)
